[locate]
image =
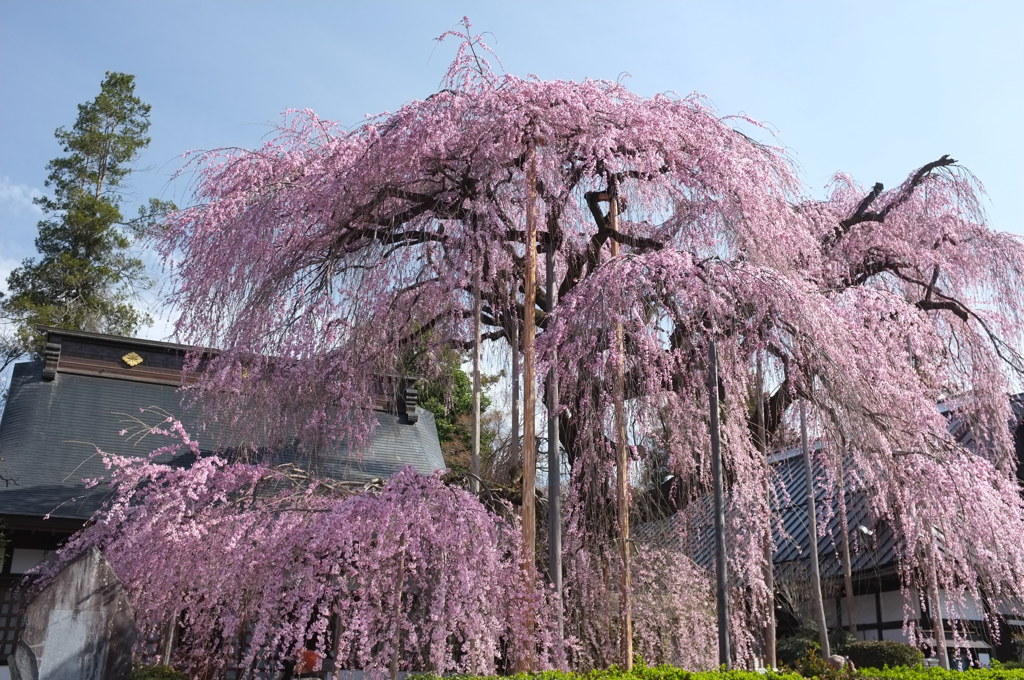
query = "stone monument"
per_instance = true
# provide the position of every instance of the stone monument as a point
(80, 627)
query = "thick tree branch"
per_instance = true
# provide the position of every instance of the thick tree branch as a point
(949, 305)
(862, 214)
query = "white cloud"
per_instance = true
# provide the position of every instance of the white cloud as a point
(17, 198)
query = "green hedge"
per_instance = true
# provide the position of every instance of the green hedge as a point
(638, 673)
(672, 673)
(156, 672)
(918, 673)
(882, 653)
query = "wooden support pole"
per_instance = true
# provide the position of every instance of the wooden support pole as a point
(474, 481)
(529, 381)
(940, 629)
(844, 545)
(167, 643)
(770, 658)
(812, 533)
(529, 452)
(622, 463)
(396, 653)
(721, 569)
(514, 369)
(554, 454)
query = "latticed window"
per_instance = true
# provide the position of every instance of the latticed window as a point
(10, 616)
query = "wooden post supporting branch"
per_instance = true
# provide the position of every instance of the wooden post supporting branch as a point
(513, 443)
(529, 382)
(844, 531)
(770, 659)
(529, 389)
(554, 454)
(721, 570)
(812, 533)
(396, 615)
(939, 628)
(474, 481)
(170, 633)
(621, 462)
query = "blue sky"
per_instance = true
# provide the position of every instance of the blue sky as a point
(869, 88)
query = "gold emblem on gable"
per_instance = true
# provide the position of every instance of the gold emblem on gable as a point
(132, 359)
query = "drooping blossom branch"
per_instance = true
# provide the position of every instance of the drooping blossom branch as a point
(254, 563)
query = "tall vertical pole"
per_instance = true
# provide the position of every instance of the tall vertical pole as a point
(554, 452)
(721, 569)
(812, 533)
(844, 530)
(529, 389)
(622, 461)
(474, 482)
(513, 442)
(769, 548)
(937, 625)
(168, 639)
(529, 382)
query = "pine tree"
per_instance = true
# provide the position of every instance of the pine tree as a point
(85, 277)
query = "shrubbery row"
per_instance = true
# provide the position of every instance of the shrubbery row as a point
(672, 673)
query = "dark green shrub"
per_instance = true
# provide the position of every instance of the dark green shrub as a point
(881, 653)
(840, 640)
(156, 672)
(811, 665)
(791, 649)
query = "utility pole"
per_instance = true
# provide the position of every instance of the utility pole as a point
(812, 532)
(721, 569)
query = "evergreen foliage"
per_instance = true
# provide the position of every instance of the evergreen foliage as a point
(84, 277)
(449, 396)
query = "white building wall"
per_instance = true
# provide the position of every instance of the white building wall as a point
(863, 609)
(892, 606)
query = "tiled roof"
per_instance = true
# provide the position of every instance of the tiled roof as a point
(869, 554)
(790, 531)
(52, 428)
